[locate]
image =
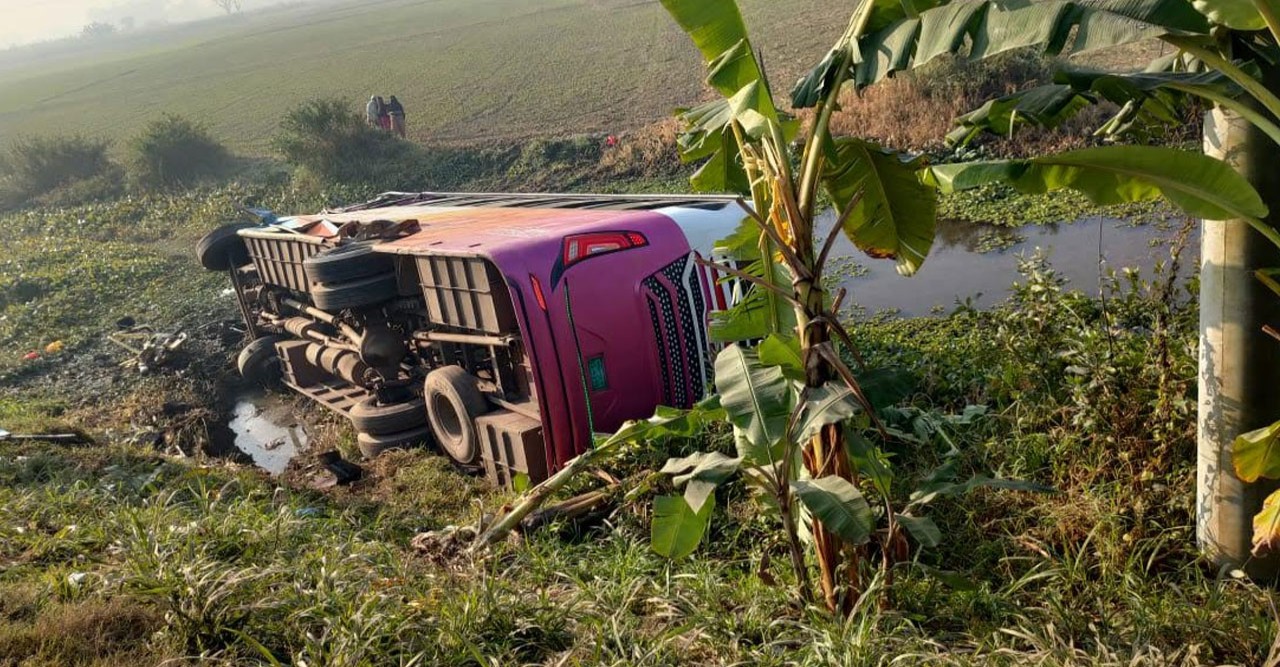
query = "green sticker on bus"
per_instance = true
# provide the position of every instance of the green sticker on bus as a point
(595, 370)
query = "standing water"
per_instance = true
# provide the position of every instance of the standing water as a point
(958, 269)
(265, 429)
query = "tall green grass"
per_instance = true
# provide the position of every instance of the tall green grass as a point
(228, 565)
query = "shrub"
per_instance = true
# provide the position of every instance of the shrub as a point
(332, 143)
(174, 151)
(915, 110)
(33, 166)
(103, 187)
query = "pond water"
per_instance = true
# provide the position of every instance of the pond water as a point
(266, 429)
(957, 268)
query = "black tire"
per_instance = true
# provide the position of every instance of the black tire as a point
(372, 445)
(363, 292)
(369, 417)
(453, 402)
(221, 249)
(346, 263)
(258, 361)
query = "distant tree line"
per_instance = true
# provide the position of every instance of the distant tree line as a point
(98, 30)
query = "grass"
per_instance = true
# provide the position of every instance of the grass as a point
(119, 554)
(467, 70)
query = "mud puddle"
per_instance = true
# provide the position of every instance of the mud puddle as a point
(265, 428)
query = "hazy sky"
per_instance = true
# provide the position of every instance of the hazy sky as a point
(33, 20)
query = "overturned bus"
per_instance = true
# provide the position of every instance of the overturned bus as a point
(506, 328)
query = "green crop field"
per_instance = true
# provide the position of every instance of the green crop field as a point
(466, 70)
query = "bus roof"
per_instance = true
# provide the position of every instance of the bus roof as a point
(480, 223)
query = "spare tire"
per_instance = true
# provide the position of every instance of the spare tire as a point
(222, 249)
(372, 445)
(346, 263)
(354, 294)
(369, 417)
(453, 402)
(258, 361)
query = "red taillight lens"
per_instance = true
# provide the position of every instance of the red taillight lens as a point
(581, 246)
(537, 291)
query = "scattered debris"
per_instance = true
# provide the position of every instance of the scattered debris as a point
(48, 437)
(444, 547)
(54, 347)
(150, 349)
(345, 471)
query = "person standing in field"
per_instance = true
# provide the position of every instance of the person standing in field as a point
(384, 117)
(373, 111)
(396, 111)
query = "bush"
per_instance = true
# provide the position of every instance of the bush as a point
(915, 110)
(103, 187)
(33, 166)
(175, 151)
(331, 142)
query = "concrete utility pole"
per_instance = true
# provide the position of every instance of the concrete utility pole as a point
(1239, 364)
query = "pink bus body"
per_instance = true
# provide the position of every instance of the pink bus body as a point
(570, 314)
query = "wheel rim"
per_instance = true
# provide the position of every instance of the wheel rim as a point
(451, 432)
(447, 416)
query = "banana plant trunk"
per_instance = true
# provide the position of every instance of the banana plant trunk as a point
(1239, 364)
(825, 455)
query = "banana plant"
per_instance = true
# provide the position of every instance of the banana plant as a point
(762, 392)
(1222, 49)
(885, 201)
(794, 439)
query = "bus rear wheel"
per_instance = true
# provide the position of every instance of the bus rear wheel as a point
(454, 400)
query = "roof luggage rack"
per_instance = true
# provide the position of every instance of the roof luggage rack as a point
(535, 200)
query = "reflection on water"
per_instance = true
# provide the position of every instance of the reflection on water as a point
(266, 430)
(957, 269)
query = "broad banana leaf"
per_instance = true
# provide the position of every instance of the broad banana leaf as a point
(829, 404)
(1043, 106)
(1234, 14)
(758, 400)
(897, 213)
(759, 313)
(715, 26)
(717, 30)
(1201, 186)
(922, 528)
(839, 505)
(844, 55)
(983, 28)
(700, 474)
(1266, 525)
(677, 529)
(1145, 98)
(1256, 454)
(704, 127)
(753, 318)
